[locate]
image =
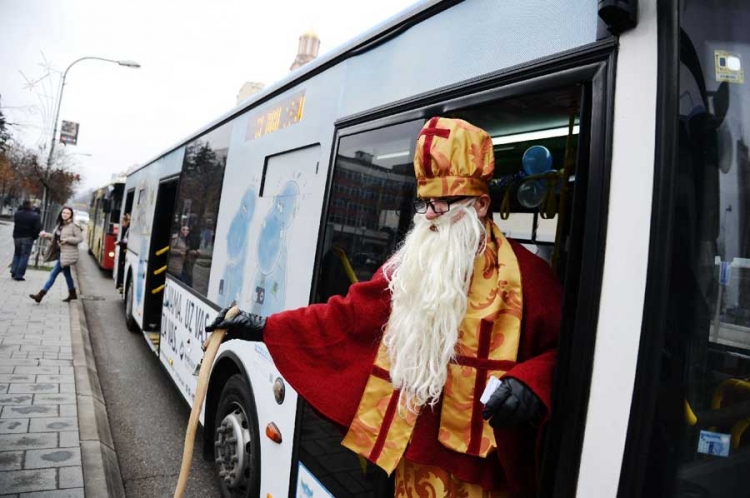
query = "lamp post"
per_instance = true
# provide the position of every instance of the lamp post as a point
(45, 195)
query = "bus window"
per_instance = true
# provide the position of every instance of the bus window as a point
(699, 442)
(194, 222)
(535, 140)
(371, 204)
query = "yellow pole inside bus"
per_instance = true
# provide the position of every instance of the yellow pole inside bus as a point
(212, 347)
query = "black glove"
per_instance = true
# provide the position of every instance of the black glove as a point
(512, 404)
(245, 326)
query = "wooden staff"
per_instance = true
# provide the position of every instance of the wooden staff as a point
(211, 348)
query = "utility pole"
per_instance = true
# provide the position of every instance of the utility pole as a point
(45, 194)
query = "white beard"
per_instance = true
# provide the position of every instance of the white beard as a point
(429, 279)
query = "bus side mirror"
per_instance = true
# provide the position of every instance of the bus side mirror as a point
(106, 205)
(619, 15)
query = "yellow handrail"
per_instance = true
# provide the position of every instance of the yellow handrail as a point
(158, 289)
(162, 251)
(160, 270)
(740, 426)
(729, 384)
(690, 415)
(341, 254)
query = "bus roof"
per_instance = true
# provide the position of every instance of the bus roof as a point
(368, 40)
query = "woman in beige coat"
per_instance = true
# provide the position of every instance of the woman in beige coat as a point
(63, 249)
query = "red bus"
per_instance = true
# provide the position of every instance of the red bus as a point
(104, 223)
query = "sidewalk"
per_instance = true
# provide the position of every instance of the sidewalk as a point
(55, 440)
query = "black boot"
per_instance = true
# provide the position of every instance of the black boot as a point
(71, 295)
(38, 296)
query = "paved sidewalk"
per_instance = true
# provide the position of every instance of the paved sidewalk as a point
(54, 431)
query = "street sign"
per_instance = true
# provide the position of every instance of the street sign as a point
(69, 133)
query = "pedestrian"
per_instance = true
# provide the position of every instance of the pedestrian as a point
(123, 248)
(26, 227)
(63, 249)
(401, 362)
(182, 255)
(124, 231)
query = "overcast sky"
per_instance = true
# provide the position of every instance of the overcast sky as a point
(195, 56)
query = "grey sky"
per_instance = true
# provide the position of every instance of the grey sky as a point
(194, 58)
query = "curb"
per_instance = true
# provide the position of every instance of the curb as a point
(101, 470)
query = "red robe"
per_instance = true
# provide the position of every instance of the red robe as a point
(326, 351)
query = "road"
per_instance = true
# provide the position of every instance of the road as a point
(147, 414)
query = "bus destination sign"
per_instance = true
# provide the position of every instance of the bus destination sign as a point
(276, 116)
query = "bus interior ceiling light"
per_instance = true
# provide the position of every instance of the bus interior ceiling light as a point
(505, 139)
(534, 135)
(393, 155)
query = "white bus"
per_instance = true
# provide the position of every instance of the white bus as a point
(641, 115)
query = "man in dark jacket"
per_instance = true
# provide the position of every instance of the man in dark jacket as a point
(26, 228)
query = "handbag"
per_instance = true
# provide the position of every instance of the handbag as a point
(52, 252)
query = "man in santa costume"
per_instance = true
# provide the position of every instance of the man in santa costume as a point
(401, 362)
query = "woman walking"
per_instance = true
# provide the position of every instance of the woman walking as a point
(64, 249)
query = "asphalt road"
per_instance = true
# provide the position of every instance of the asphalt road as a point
(147, 414)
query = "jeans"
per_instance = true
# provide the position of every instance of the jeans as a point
(55, 272)
(21, 256)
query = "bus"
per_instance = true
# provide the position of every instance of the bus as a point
(104, 223)
(640, 110)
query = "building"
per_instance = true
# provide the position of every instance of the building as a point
(248, 89)
(307, 50)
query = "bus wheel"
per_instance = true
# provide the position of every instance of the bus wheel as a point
(129, 319)
(236, 440)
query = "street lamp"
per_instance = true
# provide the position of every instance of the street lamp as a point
(126, 63)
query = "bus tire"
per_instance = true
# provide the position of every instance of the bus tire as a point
(236, 433)
(130, 322)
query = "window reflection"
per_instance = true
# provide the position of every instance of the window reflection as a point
(193, 226)
(700, 445)
(370, 205)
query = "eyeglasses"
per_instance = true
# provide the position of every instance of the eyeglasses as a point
(439, 206)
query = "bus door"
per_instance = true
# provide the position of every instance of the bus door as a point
(111, 225)
(689, 426)
(122, 249)
(158, 257)
(93, 221)
(543, 150)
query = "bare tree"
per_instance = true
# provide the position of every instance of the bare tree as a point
(24, 174)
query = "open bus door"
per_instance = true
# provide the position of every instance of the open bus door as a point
(111, 226)
(122, 248)
(157, 259)
(542, 208)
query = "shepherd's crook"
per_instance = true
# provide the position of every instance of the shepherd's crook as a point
(213, 343)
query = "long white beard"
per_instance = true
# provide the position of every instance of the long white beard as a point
(429, 279)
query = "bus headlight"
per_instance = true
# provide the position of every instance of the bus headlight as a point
(111, 254)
